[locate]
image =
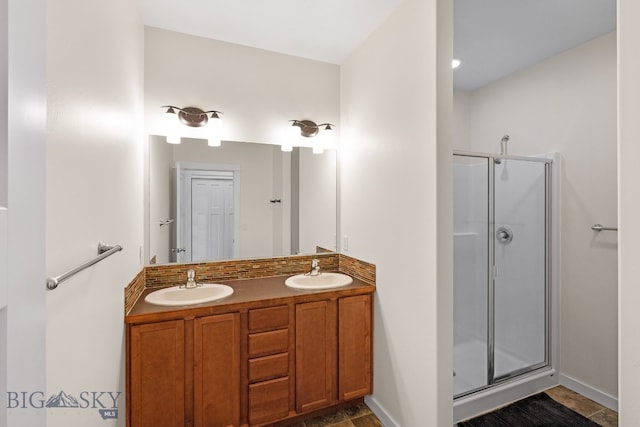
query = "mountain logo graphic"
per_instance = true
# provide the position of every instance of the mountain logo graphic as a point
(62, 400)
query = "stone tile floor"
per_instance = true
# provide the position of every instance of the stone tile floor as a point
(584, 406)
(361, 415)
(358, 416)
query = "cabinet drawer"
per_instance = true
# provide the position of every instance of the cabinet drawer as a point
(267, 367)
(271, 342)
(264, 319)
(268, 400)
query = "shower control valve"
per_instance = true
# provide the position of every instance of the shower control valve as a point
(504, 234)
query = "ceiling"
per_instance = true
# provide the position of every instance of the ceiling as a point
(327, 30)
(493, 38)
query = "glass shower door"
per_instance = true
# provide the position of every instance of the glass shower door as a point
(520, 268)
(500, 244)
(471, 195)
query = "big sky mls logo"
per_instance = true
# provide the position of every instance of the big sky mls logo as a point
(106, 402)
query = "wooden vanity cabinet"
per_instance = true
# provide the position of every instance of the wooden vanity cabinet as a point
(315, 355)
(185, 373)
(354, 347)
(216, 368)
(269, 341)
(333, 351)
(156, 375)
(255, 366)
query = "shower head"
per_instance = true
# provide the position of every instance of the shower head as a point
(503, 148)
(503, 145)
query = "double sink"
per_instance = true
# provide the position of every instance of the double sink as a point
(209, 292)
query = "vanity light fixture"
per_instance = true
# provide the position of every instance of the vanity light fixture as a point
(192, 117)
(455, 63)
(309, 129)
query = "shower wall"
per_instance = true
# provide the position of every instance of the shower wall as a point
(567, 104)
(469, 251)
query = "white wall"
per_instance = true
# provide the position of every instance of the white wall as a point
(4, 146)
(628, 211)
(94, 192)
(567, 104)
(258, 91)
(396, 205)
(4, 96)
(24, 318)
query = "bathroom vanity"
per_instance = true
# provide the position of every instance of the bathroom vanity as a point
(267, 354)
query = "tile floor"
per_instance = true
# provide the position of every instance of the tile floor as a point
(361, 415)
(358, 416)
(584, 406)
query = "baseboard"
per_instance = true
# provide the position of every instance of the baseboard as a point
(382, 415)
(602, 398)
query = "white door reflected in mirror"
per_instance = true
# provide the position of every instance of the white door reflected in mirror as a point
(242, 221)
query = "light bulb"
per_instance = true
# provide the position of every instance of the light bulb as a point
(292, 138)
(214, 130)
(170, 122)
(173, 139)
(326, 136)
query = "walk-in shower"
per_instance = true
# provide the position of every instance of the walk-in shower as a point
(503, 284)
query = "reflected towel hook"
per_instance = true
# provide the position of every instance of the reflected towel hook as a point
(600, 227)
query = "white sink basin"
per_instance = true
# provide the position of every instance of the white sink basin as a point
(320, 281)
(182, 296)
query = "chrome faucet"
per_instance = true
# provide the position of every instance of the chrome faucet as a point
(315, 268)
(191, 282)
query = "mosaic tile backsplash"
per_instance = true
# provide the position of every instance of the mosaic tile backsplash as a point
(162, 276)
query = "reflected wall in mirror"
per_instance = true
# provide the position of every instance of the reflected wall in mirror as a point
(240, 200)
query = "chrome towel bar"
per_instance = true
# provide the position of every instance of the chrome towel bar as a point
(600, 227)
(103, 252)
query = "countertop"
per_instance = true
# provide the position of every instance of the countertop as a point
(247, 293)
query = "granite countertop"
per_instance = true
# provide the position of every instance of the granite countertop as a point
(248, 293)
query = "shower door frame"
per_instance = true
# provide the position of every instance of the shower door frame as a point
(492, 381)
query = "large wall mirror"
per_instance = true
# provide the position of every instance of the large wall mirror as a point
(240, 200)
(246, 198)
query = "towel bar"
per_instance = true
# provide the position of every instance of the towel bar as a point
(103, 252)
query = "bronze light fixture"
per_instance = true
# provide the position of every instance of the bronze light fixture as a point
(309, 128)
(192, 117)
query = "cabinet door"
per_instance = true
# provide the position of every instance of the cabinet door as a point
(315, 354)
(354, 344)
(157, 374)
(217, 371)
